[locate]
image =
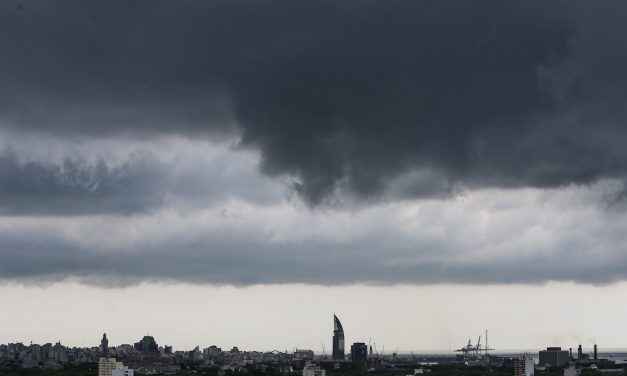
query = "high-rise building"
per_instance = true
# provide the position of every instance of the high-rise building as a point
(554, 357)
(104, 344)
(359, 355)
(579, 353)
(338, 339)
(524, 366)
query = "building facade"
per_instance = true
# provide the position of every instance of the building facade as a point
(313, 370)
(304, 354)
(524, 366)
(572, 371)
(359, 355)
(106, 366)
(124, 371)
(111, 367)
(338, 339)
(554, 357)
(147, 345)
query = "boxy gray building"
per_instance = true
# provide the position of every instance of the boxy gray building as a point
(554, 356)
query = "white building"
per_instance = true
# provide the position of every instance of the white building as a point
(313, 370)
(572, 371)
(111, 367)
(124, 371)
(530, 366)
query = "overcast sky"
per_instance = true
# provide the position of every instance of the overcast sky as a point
(250, 149)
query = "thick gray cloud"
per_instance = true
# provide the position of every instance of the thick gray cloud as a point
(74, 187)
(342, 96)
(480, 239)
(513, 112)
(139, 182)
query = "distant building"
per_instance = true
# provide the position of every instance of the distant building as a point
(579, 353)
(111, 367)
(213, 350)
(285, 368)
(195, 355)
(104, 345)
(554, 357)
(313, 370)
(524, 366)
(304, 354)
(58, 352)
(572, 371)
(124, 371)
(359, 355)
(147, 345)
(338, 339)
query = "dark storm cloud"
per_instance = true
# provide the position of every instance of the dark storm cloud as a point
(75, 187)
(344, 96)
(140, 185)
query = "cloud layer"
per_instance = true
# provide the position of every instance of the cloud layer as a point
(426, 142)
(342, 97)
(117, 177)
(481, 238)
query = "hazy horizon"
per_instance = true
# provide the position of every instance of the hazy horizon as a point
(284, 317)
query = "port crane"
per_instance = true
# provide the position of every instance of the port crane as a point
(475, 350)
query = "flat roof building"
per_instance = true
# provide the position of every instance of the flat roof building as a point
(106, 366)
(124, 371)
(554, 357)
(147, 345)
(313, 370)
(359, 355)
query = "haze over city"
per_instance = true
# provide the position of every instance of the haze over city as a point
(233, 173)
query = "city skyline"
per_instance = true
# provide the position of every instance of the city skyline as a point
(432, 327)
(148, 344)
(235, 172)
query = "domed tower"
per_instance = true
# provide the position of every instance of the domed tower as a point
(104, 343)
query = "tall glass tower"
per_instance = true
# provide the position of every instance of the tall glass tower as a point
(338, 339)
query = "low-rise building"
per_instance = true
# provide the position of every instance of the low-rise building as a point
(572, 371)
(304, 354)
(111, 367)
(124, 371)
(313, 370)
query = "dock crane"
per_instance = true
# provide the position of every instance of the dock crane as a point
(475, 350)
